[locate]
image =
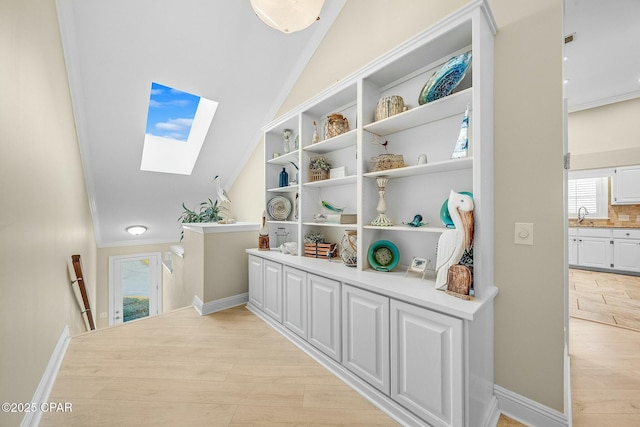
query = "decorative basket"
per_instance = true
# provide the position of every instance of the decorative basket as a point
(320, 250)
(335, 125)
(318, 175)
(389, 106)
(386, 161)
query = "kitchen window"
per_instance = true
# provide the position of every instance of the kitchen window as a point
(591, 193)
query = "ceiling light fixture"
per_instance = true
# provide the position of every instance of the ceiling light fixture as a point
(136, 230)
(288, 16)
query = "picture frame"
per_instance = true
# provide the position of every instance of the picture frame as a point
(419, 266)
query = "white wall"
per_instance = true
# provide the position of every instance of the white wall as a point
(528, 165)
(605, 136)
(45, 216)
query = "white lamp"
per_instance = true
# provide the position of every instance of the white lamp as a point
(136, 230)
(288, 16)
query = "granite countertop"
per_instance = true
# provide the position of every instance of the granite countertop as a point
(632, 225)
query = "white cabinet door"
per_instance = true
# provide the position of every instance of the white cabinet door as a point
(626, 253)
(626, 186)
(573, 250)
(294, 315)
(365, 336)
(273, 289)
(594, 252)
(256, 281)
(427, 364)
(324, 315)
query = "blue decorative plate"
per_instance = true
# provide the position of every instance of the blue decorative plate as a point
(383, 255)
(445, 217)
(443, 81)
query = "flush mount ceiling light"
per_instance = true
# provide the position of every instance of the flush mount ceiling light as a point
(288, 16)
(136, 230)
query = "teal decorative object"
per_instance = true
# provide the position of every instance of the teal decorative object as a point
(443, 81)
(383, 255)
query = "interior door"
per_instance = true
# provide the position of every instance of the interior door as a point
(134, 287)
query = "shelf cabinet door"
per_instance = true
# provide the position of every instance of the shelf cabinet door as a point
(573, 250)
(427, 363)
(626, 253)
(256, 282)
(365, 336)
(294, 315)
(273, 289)
(324, 315)
(626, 186)
(594, 252)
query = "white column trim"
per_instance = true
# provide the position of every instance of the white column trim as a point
(528, 411)
(220, 304)
(43, 390)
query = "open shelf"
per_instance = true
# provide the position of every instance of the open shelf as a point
(436, 167)
(351, 179)
(448, 106)
(289, 189)
(284, 159)
(423, 229)
(347, 139)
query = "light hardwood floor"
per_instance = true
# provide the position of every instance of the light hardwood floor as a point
(605, 297)
(225, 369)
(605, 360)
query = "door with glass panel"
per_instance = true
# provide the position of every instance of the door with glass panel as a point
(134, 287)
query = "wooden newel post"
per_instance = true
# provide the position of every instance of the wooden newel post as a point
(77, 268)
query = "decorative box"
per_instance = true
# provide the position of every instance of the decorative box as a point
(386, 161)
(338, 172)
(320, 250)
(318, 175)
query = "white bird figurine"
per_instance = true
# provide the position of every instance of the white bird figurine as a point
(454, 242)
(222, 194)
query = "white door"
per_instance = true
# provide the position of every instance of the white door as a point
(294, 315)
(426, 364)
(273, 289)
(134, 287)
(324, 315)
(627, 254)
(256, 282)
(365, 336)
(594, 252)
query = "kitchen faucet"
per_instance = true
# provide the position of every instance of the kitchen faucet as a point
(581, 218)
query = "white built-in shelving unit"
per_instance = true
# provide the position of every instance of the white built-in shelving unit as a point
(462, 330)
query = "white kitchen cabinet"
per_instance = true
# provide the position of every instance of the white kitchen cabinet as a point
(273, 289)
(256, 281)
(365, 336)
(324, 315)
(626, 186)
(626, 250)
(594, 252)
(426, 363)
(573, 247)
(295, 312)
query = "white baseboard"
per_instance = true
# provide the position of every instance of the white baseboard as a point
(528, 411)
(43, 390)
(219, 304)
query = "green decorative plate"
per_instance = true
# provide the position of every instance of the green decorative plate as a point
(383, 255)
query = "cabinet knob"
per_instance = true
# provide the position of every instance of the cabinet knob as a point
(628, 234)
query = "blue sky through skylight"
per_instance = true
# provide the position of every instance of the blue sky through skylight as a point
(171, 112)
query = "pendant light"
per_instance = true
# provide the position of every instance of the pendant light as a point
(288, 16)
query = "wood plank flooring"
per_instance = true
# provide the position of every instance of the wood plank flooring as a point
(604, 297)
(605, 374)
(225, 369)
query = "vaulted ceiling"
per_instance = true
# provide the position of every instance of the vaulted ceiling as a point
(217, 49)
(220, 50)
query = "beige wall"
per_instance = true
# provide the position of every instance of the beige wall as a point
(528, 165)
(102, 273)
(225, 264)
(605, 136)
(45, 216)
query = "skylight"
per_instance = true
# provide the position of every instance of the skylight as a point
(177, 123)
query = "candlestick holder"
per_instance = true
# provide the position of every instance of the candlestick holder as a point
(382, 219)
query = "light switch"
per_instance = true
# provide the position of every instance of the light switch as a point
(524, 233)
